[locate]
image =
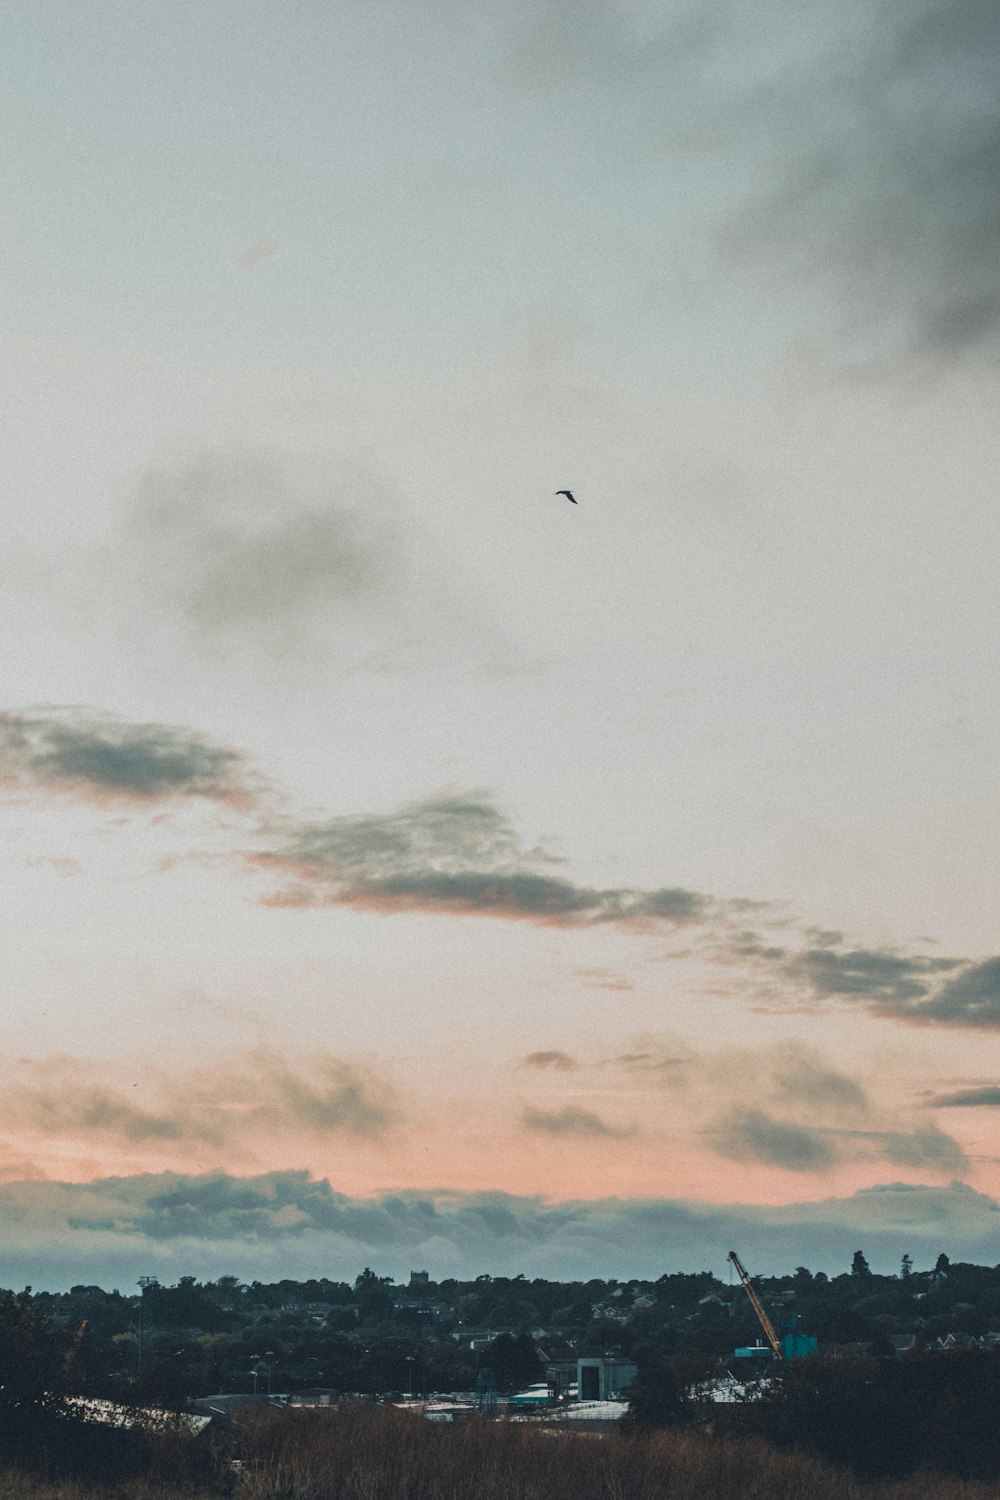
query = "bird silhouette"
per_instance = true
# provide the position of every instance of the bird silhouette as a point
(569, 496)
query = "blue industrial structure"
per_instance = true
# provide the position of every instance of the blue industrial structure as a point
(793, 1344)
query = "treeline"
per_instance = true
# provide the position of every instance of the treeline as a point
(375, 1336)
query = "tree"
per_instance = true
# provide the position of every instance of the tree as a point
(661, 1394)
(942, 1265)
(906, 1267)
(33, 1354)
(372, 1295)
(513, 1361)
(859, 1266)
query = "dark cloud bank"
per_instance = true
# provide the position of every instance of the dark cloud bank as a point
(885, 131)
(290, 1224)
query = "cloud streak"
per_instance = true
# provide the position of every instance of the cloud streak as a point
(982, 1096)
(571, 1121)
(753, 1135)
(455, 855)
(550, 1058)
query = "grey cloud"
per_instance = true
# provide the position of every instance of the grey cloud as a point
(971, 998)
(986, 1095)
(746, 1134)
(249, 546)
(100, 758)
(260, 551)
(926, 1147)
(875, 974)
(454, 854)
(338, 1098)
(286, 1223)
(892, 122)
(752, 945)
(571, 1121)
(902, 986)
(752, 1135)
(864, 142)
(73, 1110)
(803, 1079)
(551, 1058)
(564, 43)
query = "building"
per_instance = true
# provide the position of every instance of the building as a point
(602, 1378)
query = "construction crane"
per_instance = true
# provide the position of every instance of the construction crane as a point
(757, 1304)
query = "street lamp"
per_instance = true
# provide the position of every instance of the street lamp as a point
(409, 1361)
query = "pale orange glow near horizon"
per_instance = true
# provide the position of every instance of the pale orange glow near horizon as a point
(374, 822)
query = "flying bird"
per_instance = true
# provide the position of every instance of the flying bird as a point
(569, 496)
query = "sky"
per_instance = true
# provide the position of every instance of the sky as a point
(401, 865)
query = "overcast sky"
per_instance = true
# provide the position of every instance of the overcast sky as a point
(400, 863)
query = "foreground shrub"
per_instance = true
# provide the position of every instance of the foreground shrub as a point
(365, 1452)
(891, 1416)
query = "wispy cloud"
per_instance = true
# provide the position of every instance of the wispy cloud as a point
(255, 550)
(985, 1096)
(552, 1058)
(605, 979)
(572, 1121)
(101, 759)
(753, 1135)
(803, 1079)
(257, 253)
(230, 1106)
(784, 1106)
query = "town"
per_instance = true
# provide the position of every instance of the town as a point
(421, 1336)
(219, 1382)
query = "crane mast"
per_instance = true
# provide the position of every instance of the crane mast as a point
(756, 1304)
